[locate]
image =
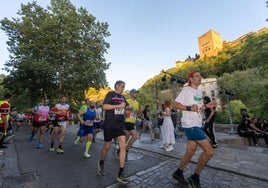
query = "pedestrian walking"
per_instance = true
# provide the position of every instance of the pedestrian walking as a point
(209, 122)
(146, 123)
(190, 102)
(167, 130)
(114, 105)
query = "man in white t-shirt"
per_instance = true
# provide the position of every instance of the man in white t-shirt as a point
(190, 102)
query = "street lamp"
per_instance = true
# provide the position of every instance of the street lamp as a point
(173, 79)
(156, 96)
(227, 93)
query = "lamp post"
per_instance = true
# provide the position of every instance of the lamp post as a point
(156, 96)
(228, 93)
(174, 79)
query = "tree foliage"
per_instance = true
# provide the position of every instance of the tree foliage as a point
(241, 67)
(54, 51)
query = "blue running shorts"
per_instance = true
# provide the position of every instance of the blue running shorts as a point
(195, 133)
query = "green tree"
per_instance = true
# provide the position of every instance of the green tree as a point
(54, 51)
(247, 85)
(236, 106)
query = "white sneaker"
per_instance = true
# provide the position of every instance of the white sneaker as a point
(86, 155)
(169, 148)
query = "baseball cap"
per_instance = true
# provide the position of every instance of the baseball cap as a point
(134, 91)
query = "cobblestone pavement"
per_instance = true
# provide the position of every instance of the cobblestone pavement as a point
(160, 176)
(232, 166)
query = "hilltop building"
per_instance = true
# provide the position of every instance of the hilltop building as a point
(209, 44)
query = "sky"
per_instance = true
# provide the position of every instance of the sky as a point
(148, 36)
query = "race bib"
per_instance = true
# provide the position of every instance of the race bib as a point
(89, 122)
(42, 118)
(61, 123)
(119, 111)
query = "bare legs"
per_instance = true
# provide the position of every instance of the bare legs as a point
(190, 151)
(149, 125)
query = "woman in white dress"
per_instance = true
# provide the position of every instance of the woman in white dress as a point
(167, 131)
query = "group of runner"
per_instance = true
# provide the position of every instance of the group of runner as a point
(58, 118)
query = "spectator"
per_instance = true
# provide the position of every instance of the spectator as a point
(209, 122)
(260, 133)
(245, 131)
(167, 130)
(147, 123)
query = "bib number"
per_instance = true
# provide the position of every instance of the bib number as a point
(119, 111)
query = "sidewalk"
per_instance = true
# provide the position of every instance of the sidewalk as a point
(242, 160)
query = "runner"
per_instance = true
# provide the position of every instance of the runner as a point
(60, 123)
(86, 118)
(132, 111)
(114, 105)
(190, 101)
(4, 110)
(97, 121)
(40, 119)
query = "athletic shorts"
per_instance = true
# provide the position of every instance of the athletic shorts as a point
(195, 133)
(59, 123)
(129, 126)
(97, 125)
(110, 134)
(85, 130)
(38, 124)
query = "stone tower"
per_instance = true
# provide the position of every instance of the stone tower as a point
(209, 44)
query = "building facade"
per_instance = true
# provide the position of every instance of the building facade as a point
(209, 44)
(209, 88)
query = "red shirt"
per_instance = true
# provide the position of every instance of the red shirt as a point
(4, 110)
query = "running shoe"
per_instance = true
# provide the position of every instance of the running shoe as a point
(3, 146)
(194, 183)
(214, 146)
(118, 152)
(86, 155)
(9, 137)
(60, 151)
(31, 138)
(39, 145)
(122, 179)
(51, 149)
(76, 141)
(101, 169)
(180, 178)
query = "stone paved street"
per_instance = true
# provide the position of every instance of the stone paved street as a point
(232, 166)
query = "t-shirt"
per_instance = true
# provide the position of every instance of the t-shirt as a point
(98, 114)
(131, 114)
(89, 116)
(63, 112)
(188, 97)
(42, 113)
(4, 110)
(115, 118)
(82, 108)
